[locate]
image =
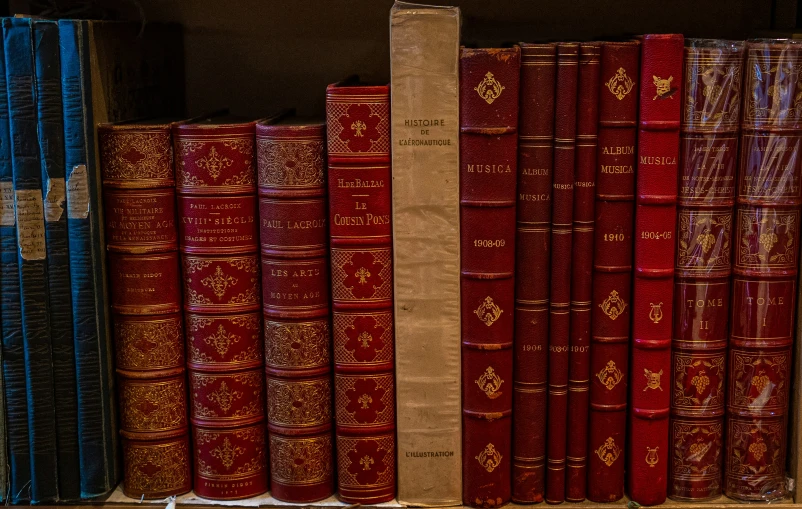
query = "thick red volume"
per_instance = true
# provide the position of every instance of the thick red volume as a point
(138, 181)
(612, 268)
(359, 179)
(560, 284)
(765, 266)
(587, 128)
(293, 221)
(653, 287)
(532, 259)
(489, 93)
(218, 239)
(706, 195)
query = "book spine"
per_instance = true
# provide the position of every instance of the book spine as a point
(15, 463)
(765, 273)
(295, 283)
(653, 287)
(560, 280)
(31, 257)
(139, 209)
(219, 243)
(97, 436)
(612, 268)
(359, 179)
(706, 194)
(532, 261)
(424, 44)
(489, 95)
(51, 149)
(587, 128)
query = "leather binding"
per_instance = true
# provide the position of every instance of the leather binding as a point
(653, 287)
(358, 135)
(219, 242)
(51, 149)
(138, 181)
(612, 268)
(489, 95)
(560, 284)
(293, 220)
(32, 258)
(765, 273)
(532, 261)
(706, 195)
(587, 127)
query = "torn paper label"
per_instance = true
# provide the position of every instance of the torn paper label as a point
(78, 193)
(30, 224)
(54, 199)
(6, 204)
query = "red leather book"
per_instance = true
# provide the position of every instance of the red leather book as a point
(293, 221)
(532, 259)
(587, 128)
(765, 266)
(653, 286)
(560, 284)
(489, 94)
(359, 179)
(138, 181)
(218, 238)
(612, 268)
(706, 195)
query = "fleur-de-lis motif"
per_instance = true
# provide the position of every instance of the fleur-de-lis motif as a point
(651, 456)
(358, 127)
(700, 381)
(613, 306)
(221, 340)
(610, 375)
(489, 458)
(227, 453)
(214, 163)
(365, 338)
(758, 448)
(489, 88)
(366, 462)
(363, 274)
(490, 383)
(365, 400)
(608, 452)
(652, 379)
(488, 312)
(620, 84)
(219, 282)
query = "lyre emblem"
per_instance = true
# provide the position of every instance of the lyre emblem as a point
(613, 306)
(620, 84)
(663, 87)
(608, 452)
(610, 375)
(651, 456)
(488, 312)
(656, 313)
(652, 379)
(490, 383)
(489, 458)
(489, 89)
(358, 127)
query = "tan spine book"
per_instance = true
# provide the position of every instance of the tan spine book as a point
(424, 44)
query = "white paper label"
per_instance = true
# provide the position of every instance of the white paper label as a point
(6, 204)
(30, 224)
(54, 200)
(78, 193)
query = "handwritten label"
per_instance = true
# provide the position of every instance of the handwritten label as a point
(30, 224)
(78, 193)
(54, 200)
(6, 204)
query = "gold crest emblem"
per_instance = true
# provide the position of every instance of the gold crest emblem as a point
(652, 379)
(651, 456)
(656, 313)
(489, 88)
(490, 383)
(610, 375)
(488, 312)
(663, 87)
(620, 84)
(490, 458)
(613, 306)
(608, 452)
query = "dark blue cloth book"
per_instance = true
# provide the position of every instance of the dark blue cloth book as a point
(31, 257)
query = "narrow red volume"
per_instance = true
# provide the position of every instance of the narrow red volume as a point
(532, 261)
(706, 194)
(587, 128)
(560, 284)
(764, 285)
(358, 132)
(612, 268)
(489, 94)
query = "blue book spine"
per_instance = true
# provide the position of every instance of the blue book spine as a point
(97, 440)
(15, 422)
(51, 150)
(32, 258)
